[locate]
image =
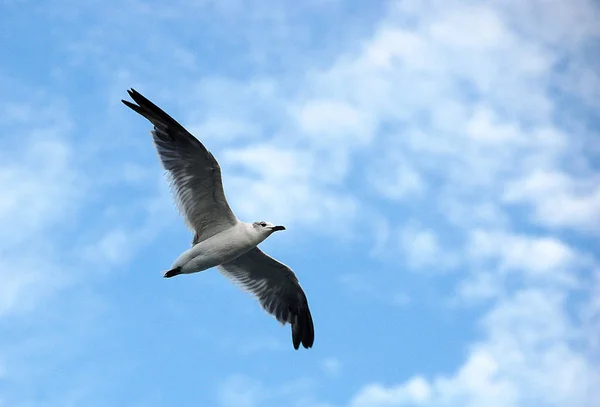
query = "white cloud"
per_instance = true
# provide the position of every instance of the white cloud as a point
(463, 92)
(49, 234)
(481, 285)
(279, 176)
(483, 127)
(242, 391)
(128, 227)
(48, 212)
(559, 199)
(218, 119)
(225, 128)
(467, 111)
(500, 261)
(266, 160)
(287, 185)
(591, 317)
(534, 255)
(475, 214)
(394, 177)
(25, 282)
(420, 246)
(558, 23)
(464, 89)
(491, 30)
(459, 114)
(415, 392)
(41, 186)
(335, 122)
(529, 357)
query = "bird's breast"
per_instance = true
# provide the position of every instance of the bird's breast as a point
(216, 250)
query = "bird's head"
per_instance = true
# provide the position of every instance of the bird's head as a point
(266, 228)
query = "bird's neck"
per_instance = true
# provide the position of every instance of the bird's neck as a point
(254, 235)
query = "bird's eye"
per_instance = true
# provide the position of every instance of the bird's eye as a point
(263, 224)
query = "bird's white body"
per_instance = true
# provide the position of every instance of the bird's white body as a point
(221, 248)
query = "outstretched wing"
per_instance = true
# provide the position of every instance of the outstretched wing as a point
(194, 174)
(276, 287)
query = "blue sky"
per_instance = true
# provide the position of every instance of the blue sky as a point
(436, 164)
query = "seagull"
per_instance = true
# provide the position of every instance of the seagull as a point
(220, 239)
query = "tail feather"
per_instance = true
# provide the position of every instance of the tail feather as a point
(173, 272)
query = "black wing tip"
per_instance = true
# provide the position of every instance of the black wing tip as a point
(303, 331)
(138, 97)
(157, 116)
(141, 100)
(143, 106)
(132, 106)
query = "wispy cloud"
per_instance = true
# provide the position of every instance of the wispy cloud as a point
(242, 391)
(40, 185)
(528, 357)
(559, 199)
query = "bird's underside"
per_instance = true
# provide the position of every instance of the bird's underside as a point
(195, 178)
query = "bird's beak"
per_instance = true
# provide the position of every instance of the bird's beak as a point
(276, 228)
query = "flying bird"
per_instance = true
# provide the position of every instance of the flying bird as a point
(221, 240)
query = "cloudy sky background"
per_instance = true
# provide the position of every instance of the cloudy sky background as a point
(436, 164)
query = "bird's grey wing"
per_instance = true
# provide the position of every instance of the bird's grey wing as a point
(194, 173)
(276, 287)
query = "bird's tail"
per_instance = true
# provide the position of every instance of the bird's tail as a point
(173, 272)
